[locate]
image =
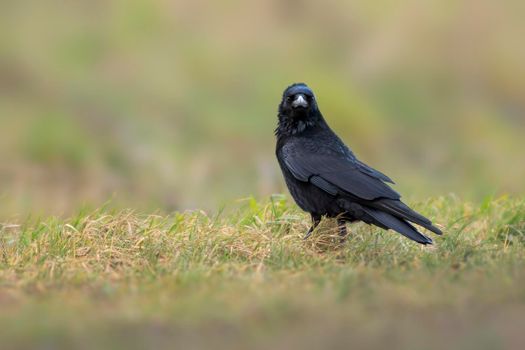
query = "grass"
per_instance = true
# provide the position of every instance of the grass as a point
(246, 279)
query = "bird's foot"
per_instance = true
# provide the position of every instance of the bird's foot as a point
(316, 219)
(342, 230)
(309, 233)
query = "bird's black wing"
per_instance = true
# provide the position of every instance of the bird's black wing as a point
(332, 171)
(337, 173)
(372, 172)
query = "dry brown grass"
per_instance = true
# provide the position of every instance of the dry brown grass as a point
(246, 279)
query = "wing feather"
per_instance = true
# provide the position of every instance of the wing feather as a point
(373, 172)
(333, 171)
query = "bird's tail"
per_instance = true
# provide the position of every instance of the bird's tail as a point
(402, 211)
(389, 221)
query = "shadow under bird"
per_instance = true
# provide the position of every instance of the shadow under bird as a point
(326, 179)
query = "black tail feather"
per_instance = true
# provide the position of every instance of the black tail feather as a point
(387, 220)
(401, 210)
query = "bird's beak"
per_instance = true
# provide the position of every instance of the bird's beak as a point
(300, 101)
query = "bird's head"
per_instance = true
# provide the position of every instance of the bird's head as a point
(298, 109)
(297, 100)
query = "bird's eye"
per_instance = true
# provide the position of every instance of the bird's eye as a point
(289, 99)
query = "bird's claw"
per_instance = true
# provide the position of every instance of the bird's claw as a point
(308, 234)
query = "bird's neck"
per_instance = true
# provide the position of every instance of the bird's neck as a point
(290, 126)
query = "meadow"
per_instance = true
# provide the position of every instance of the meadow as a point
(141, 204)
(121, 280)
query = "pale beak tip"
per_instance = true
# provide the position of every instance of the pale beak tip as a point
(300, 101)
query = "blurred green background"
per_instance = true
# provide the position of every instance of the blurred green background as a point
(171, 105)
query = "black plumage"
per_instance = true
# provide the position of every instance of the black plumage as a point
(326, 179)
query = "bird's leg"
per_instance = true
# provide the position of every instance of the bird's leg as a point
(342, 229)
(316, 219)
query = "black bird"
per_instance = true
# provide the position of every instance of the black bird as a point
(326, 179)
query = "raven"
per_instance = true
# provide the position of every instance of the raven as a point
(326, 179)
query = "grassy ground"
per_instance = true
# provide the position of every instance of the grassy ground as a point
(245, 279)
(171, 105)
